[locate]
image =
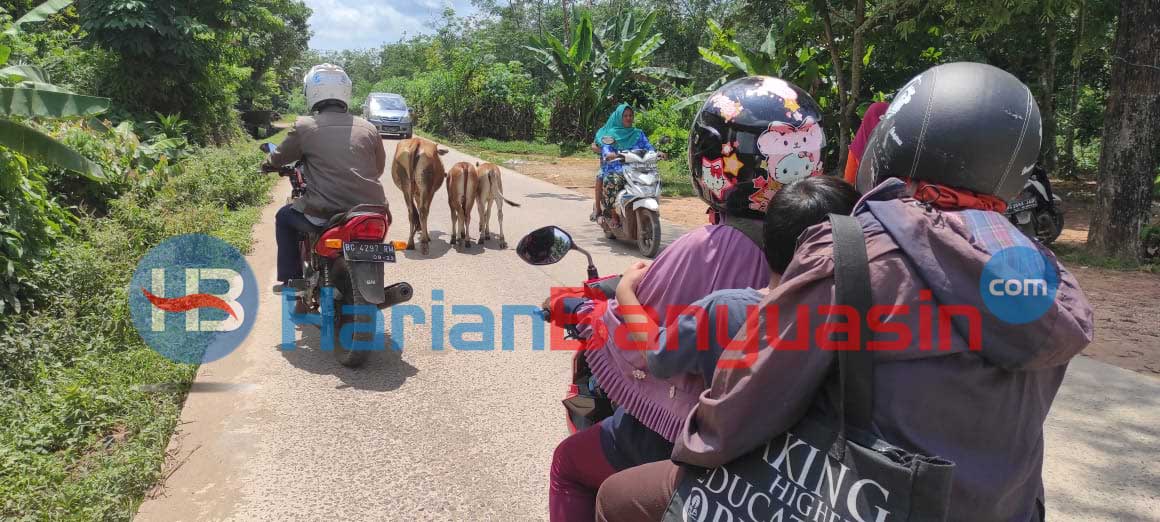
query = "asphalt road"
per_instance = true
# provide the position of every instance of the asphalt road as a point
(451, 434)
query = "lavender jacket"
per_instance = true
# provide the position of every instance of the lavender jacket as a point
(710, 258)
(984, 410)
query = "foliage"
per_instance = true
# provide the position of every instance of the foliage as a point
(79, 437)
(594, 69)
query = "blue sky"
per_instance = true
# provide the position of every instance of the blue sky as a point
(360, 24)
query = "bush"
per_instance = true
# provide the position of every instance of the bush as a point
(661, 120)
(78, 436)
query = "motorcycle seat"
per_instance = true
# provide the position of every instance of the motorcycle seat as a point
(359, 210)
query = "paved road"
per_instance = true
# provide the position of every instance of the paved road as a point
(468, 435)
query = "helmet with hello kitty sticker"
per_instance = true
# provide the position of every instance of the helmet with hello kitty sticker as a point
(753, 136)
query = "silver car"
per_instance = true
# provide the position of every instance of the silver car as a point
(389, 113)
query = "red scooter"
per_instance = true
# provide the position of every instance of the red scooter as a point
(585, 403)
(342, 270)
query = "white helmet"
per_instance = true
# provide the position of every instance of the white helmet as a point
(326, 82)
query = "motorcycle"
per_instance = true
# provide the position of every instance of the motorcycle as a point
(637, 202)
(585, 403)
(1036, 211)
(343, 261)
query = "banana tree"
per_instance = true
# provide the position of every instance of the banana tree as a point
(801, 67)
(596, 66)
(26, 93)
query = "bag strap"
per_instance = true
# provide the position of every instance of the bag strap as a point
(852, 288)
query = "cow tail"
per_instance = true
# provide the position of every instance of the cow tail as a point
(494, 175)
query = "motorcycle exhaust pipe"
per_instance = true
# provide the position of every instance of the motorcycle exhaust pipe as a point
(397, 293)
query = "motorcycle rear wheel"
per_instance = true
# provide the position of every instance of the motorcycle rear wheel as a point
(356, 357)
(648, 236)
(1049, 227)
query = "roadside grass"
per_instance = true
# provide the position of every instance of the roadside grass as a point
(83, 424)
(1079, 255)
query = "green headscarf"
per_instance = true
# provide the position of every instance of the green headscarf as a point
(625, 137)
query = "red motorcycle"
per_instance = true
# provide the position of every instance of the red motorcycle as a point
(585, 403)
(343, 273)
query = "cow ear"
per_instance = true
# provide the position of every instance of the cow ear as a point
(442, 151)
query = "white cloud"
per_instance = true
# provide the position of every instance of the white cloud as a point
(361, 24)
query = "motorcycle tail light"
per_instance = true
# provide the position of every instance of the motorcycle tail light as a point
(368, 228)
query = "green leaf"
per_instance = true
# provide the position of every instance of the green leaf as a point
(696, 99)
(5, 52)
(769, 46)
(39, 13)
(34, 144)
(20, 101)
(19, 73)
(866, 57)
(664, 72)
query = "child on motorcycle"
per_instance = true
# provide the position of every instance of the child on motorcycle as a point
(733, 156)
(791, 211)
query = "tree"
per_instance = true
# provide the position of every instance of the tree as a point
(1131, 144)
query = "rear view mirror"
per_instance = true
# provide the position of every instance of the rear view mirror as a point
(665, 140)
(268, 148)
(545, 246)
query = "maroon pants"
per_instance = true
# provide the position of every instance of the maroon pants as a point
(578, 468)
(638, 494)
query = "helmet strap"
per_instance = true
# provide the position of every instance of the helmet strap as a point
(752, 228)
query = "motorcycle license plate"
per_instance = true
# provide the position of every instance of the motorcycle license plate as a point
(373, 252)
(1021, 205)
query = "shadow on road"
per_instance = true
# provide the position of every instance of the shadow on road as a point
(438, 248)
(384, 370)
(553, 195)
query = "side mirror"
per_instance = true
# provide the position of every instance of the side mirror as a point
(545, 246)
(665, 140)
(268, 148)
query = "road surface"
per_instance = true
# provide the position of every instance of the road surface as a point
(448, 434)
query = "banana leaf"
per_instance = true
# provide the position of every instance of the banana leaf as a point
(32, 103)
(42, 147)
(39, 13)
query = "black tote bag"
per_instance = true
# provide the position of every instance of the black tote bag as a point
(825, 469)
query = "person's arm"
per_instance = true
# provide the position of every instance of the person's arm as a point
(380, 154)
(288, 152)
(595, 148)
(626, 297)
(608, 153)
(756, 396)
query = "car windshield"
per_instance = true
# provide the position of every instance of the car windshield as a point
(387, 104)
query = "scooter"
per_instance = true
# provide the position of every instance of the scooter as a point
(585, 404)
(343, 261)
(637, 204)
(1036, 210)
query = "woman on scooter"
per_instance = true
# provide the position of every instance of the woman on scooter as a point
(617, 134)
(733, 154)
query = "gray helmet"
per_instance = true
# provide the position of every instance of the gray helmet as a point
(964, 125)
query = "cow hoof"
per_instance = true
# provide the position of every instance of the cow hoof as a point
(410, 246)
(502, 244)
(466, 243)
(423, 249)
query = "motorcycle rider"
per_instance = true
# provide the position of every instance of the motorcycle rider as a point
(344, 159)
(956, 141)
(726, 144)
(618, 134)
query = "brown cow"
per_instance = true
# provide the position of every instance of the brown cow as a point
(491, 191)
(462, 191)
(418, 172)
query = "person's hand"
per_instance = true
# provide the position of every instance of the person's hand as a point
(611, 156)
(633, 274)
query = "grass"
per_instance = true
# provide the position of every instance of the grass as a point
(1079, 255)
(80, 438)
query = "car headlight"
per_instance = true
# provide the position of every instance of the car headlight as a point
(405, 119)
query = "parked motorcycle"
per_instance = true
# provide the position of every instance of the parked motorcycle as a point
(344, 261)
(585, 403)
(1036, 210)
(636, 203)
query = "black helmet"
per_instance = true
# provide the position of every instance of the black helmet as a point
(965, 125)
(753, 136)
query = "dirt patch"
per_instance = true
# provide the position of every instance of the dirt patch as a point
(579, 174)
(1127, 303)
